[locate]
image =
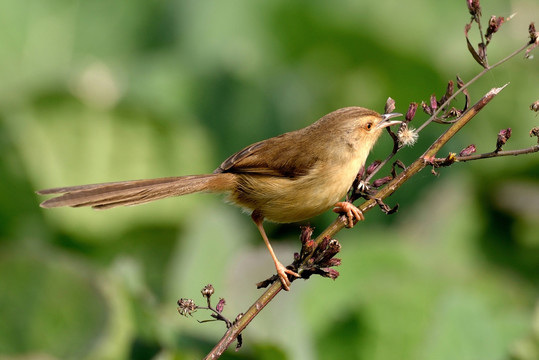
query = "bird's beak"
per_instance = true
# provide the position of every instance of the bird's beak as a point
(386, 120)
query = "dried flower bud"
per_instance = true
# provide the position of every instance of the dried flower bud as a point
(334, 262)
(426, 108)
(494, 25)
(468, 150)
(331, 273)
(460, 82)
(454, 112)
(306, 233)
(220, 305)
(534, 35)
(362, 186)
(324, 243)
(535, 106)
(474, 7)
(390, 106)
(535, 132)
(433, 102)
(308, 247)
(410, 114)
(332, 249)
(373, 166)
(407, 136)
(382, 181)
(534, 40)
(325, 254)
(207, 291)
(448, 92)
(450, 89)
(503, 136)
(186, 307)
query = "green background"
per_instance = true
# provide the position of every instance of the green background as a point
(96, 91)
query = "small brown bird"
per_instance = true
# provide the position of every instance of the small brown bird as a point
(287, 178)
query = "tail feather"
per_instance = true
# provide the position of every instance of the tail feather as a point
(124, 193)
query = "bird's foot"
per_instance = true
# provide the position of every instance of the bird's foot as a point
(282, 272)
(351, 211)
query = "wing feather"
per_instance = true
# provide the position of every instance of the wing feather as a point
(272, 157)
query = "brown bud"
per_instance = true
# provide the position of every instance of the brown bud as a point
(433, 102)
(448, 92)
(309, 246)
(460, 82)
(324, 243)
(186, 307)
(306, 233)
(390, 106)
(535, 132)
(474, 7)
(334, 262)
(382, 181)
(468, 150)
(454, 112)
(426, 108)
(332, 249)
(534, 35)
(494, 25)
(410, 114)
(535, 106)
(220, 305)
(450, 89)
(331, 273)
(534, 40)
(503, 136)
(207, 291)
(326, 258)
(373, 166)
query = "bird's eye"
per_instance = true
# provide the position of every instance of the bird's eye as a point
(368, 126)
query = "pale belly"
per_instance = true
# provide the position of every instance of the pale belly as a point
(288, 200)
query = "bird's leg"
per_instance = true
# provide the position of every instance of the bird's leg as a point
(281, 269)
(351, 211)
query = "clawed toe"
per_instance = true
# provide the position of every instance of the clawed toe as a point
(282, 272)
(351, 211)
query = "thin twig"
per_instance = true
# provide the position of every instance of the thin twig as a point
(242, 323)
(446, 103)
(530, 150)
(470, 82)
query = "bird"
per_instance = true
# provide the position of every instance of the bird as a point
(285, 179)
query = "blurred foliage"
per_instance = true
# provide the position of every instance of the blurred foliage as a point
(95, 91)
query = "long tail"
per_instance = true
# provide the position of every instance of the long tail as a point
(108, 195)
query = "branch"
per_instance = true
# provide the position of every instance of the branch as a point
(341, 221)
